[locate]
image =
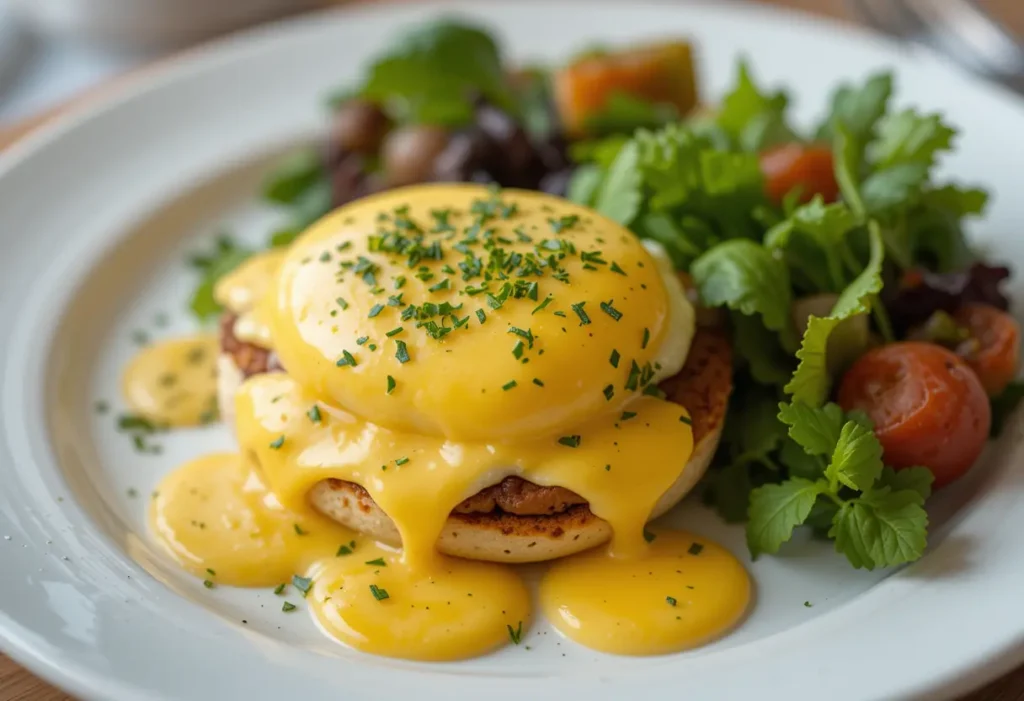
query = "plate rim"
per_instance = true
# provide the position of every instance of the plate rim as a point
(90, 684)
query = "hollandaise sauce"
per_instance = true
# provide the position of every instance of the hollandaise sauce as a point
(436, 340)
(174, 382)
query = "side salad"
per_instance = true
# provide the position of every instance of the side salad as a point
(874, 352)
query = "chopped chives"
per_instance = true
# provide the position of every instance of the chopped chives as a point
(378, 593)
(394, 332)
(375, 310)
(401, 461)
(314, 414)
(538, 382)
(509, 385)
(402, 353)
(578, 308)
(609, 392)
(276, 444)
(570, 441)
(611, 311)
(646, 338)
(614, 360)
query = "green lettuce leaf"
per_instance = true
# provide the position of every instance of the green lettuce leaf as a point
(811, 381)
(745, 277)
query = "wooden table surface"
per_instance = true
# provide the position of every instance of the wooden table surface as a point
(17, 684)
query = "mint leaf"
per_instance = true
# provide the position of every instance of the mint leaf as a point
(745, 277)
(909, 137)
(881, 528)
(811, 381)
(619, 195)
(815, 429)
(859, 109)
(916, 479)
(775, 510)
(857, 459)
(799, 463)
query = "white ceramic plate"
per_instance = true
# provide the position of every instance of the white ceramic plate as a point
(96, 215)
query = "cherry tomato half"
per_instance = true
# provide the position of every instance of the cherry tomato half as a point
(808, 167)
(993, 351)
(928, 406)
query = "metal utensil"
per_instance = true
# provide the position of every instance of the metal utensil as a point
(957, 28)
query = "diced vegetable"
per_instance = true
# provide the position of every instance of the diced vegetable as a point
(661, 74)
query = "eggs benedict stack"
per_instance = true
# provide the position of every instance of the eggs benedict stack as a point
(513, 323)
(449, 370)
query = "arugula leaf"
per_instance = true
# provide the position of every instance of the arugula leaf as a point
(916, 479)
(226, 256)
(909, 137)
(881, 528)
(619, 196)
(857, 459)
(846, 160)
(859, 109)
(744, 276)
(746, 103)
(625, 113)
(1004, 405)
(893, 186)
(682, 169)
(815, 429)
(433, 69)
(811, 381)
(775, 510)
(813, 238)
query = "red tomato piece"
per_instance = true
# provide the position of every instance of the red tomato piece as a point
(928, 406)
(993, 351)
(808, 167)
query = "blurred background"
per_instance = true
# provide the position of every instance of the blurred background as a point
(54, 50)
